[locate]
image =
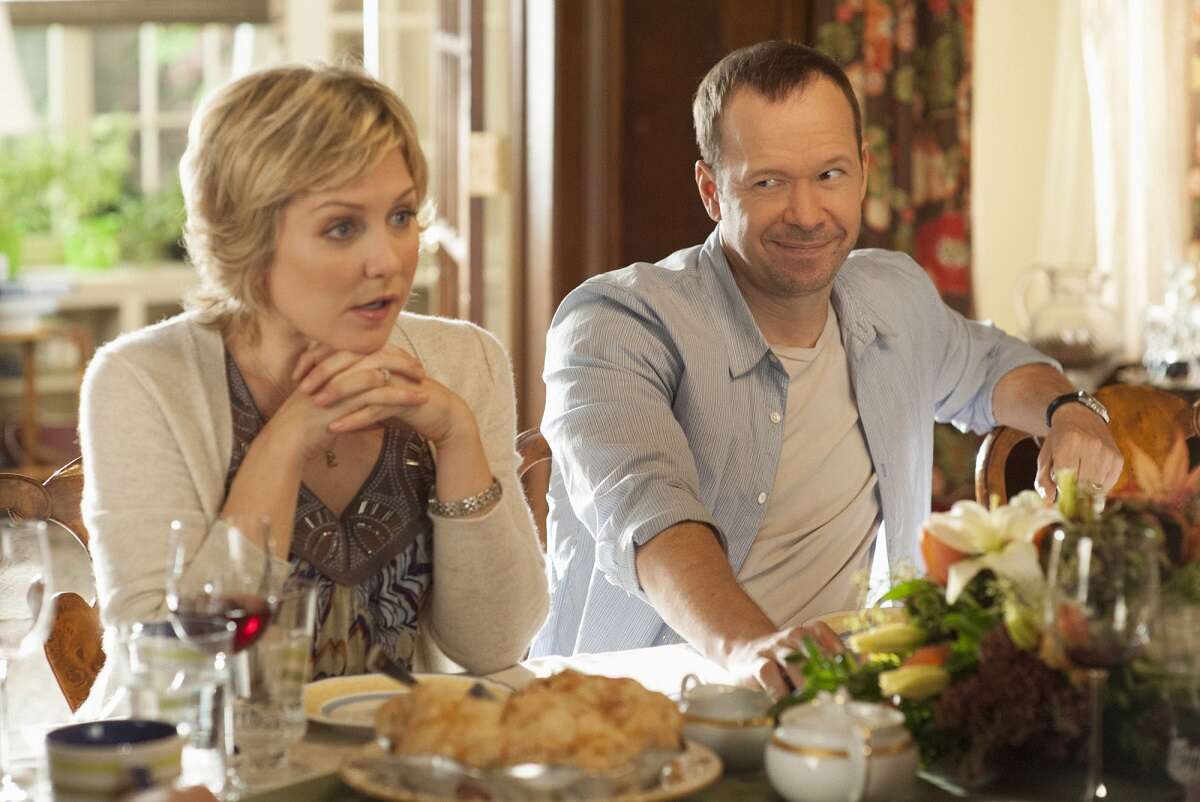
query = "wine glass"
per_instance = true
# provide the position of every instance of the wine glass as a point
(26, 607)
(1102, 597)
(220, 580)
(1179, 644)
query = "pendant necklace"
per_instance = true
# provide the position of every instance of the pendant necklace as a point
(330, 454)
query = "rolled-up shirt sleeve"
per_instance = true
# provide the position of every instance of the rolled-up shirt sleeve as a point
(611, 378)
(975, 357)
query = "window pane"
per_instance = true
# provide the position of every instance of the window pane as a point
(133, 174)
(31, 55)
(115, 68)
(171, 144)
(347, 44)
(180, 66)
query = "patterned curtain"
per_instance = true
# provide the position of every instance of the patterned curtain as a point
(910, 63)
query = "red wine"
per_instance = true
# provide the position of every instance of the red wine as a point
(1099, 656)
(249, 616)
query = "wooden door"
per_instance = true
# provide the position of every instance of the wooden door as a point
(457, 73)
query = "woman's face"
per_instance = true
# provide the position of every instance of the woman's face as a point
(345, 259)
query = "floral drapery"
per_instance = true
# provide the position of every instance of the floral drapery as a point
(910, 63)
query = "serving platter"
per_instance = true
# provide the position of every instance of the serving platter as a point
(349, 703)
(369, 771)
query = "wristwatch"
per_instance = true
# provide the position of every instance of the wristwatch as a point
(1078, 397)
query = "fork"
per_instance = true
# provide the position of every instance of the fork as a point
(378, 660)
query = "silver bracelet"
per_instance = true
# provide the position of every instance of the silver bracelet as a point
(466, 506)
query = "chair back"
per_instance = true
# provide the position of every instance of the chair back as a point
(1146, 417)
(534, 472)
(73, 648)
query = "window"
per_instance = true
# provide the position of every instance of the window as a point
(147, 76)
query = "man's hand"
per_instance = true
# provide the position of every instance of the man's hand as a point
(1079, 439)
(762, 663)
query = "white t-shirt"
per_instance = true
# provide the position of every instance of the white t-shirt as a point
(813, 552)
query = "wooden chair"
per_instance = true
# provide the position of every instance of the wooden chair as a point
(534, 472)
(73, 648)
(1142, 415)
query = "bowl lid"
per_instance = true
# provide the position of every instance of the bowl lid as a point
(111, 732)
(829, 722)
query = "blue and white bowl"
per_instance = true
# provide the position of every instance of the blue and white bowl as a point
(105, 758)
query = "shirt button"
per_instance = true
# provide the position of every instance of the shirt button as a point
(762, 498)
(776, 417)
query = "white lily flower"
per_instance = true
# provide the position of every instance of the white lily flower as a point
(1000, 539)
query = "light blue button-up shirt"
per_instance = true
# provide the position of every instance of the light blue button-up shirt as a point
(660, 392)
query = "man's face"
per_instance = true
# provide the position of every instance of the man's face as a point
(788, 190)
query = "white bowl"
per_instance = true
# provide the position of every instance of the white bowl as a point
(106, 758)
(730, 720)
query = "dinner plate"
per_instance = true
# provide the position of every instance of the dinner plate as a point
(696, 768)
(349, 703)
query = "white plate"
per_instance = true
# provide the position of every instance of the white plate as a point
(693, 770)
(349, 703)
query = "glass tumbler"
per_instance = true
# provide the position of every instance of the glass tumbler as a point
(267, 681)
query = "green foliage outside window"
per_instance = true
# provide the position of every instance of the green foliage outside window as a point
(80, 196)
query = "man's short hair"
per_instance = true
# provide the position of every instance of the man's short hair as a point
(773, 69)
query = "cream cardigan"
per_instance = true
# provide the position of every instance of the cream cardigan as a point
(156, 434)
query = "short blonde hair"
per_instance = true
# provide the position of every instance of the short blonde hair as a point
(262, 141)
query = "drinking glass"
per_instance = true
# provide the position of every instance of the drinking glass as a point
(26, 610)
(220, 580)
(1179, 644)
(267, 686)
(1102, 595)
(172, 679)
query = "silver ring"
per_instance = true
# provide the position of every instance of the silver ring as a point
(387, 375)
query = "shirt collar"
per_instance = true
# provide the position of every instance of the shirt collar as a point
(860, 322)
(743, 339)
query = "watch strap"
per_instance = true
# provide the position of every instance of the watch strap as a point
(1078, 397)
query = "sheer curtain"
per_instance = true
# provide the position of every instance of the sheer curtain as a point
(1067, 235)
(1134, 56)
(18, 117)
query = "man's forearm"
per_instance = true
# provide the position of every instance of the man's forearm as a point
(688, 580)
(1022, 395)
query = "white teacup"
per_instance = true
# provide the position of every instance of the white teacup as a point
(830, 750)
(733, 721)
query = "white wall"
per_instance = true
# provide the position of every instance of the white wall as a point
(1030, 170)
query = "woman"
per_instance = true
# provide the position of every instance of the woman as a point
(379, 443)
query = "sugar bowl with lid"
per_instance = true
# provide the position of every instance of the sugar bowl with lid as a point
(733, 721)
(835, 750)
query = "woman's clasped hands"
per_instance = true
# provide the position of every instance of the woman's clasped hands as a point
(341, 392)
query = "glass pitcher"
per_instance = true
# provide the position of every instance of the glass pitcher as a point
(1065, 314)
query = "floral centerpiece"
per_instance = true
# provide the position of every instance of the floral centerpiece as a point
(966, 657)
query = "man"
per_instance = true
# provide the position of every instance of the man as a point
(732, 427)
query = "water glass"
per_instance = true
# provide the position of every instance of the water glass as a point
(26, 612)
(1179, 641)
(175, 680)
(267, 681)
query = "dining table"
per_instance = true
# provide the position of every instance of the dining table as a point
(662, 668)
